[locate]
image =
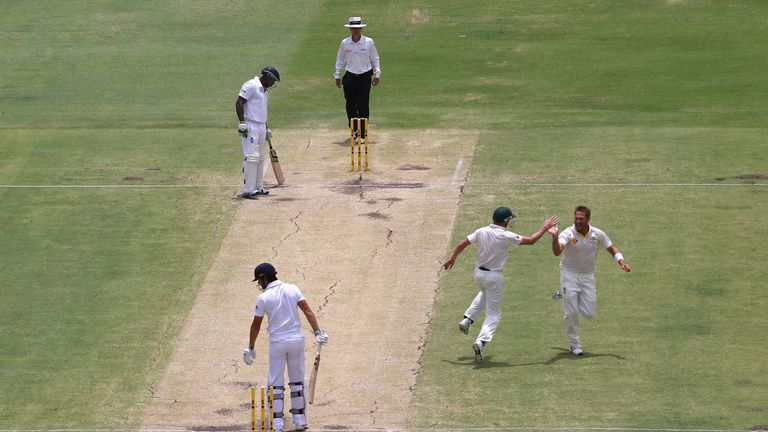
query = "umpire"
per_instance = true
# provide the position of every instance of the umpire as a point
(358, 55)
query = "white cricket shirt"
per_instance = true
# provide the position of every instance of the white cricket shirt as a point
(279, 302)
(493, 243)
(359, 57)
(257, 98)
(580, 251)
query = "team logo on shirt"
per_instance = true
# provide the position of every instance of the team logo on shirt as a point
(574, 241)
(593, 240)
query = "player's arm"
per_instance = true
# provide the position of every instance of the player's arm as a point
(619, 258)
(311, 317)
(459, 249)
(533, 238)
(321, 336)
(255, 328)
(340, 61)
(375, 63)
(239, 108)
(557, 247)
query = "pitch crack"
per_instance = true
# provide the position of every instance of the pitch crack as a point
(297, 229)
(327, 297)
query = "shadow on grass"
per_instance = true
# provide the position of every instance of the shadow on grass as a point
(487, 363)
(564, 354)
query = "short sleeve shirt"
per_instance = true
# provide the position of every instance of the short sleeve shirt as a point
(493, 243)
(580, 252)
(256, 100)
(279, 302)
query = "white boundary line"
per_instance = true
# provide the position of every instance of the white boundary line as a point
(377, 185)
(493, 429)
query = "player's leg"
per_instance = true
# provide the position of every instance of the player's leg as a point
(278, 353)
(470, 315)
(587, 305)
(364, 97)
(588, 297)
(296, 362)
(260, 132)
(349, 96)
(494, 295)
(571, 293)
(250, 164)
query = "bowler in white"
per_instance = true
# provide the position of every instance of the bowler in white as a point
(578, 245)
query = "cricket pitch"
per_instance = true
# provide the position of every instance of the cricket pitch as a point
(364, 247)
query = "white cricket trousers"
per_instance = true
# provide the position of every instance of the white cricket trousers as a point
(491, 292)
(579, 297)
(288, 353)
(254, 156)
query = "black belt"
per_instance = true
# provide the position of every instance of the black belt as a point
(484, 269)
(369, 72)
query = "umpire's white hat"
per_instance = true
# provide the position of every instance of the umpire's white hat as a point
(355, 22)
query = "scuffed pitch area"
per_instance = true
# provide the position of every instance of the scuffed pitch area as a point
(364, 247)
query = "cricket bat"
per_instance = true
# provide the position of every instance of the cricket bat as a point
(313, 377)
(276, 164)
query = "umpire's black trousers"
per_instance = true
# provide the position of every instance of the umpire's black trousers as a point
(357, 91)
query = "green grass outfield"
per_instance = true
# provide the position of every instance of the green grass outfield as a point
(650, 111)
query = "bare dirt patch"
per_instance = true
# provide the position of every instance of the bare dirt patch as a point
(365, 248)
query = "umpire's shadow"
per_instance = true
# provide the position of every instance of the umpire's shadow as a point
(564, 354)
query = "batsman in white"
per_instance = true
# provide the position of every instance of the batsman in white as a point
(579, 244)
(493, 243)
(251, 109)
(280, 302)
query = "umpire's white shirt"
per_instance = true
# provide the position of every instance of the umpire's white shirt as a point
(580, 252)
(257, 98)
(279, 302)
(493, 243)
(359, 57)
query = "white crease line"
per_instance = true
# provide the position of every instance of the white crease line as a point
(457, 171)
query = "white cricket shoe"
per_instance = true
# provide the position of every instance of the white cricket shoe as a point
(464, 325)
(300, 422)
(576, 350)
(478, 348)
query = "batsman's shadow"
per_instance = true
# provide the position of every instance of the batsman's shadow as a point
(564, 354)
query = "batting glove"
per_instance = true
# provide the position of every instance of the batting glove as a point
(249, 355)
(322, 337)
(269, 134)
(242, 129)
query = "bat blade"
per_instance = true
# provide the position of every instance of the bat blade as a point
(276, 164)
(313, 377)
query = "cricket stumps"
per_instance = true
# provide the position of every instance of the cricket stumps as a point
(358, 137)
